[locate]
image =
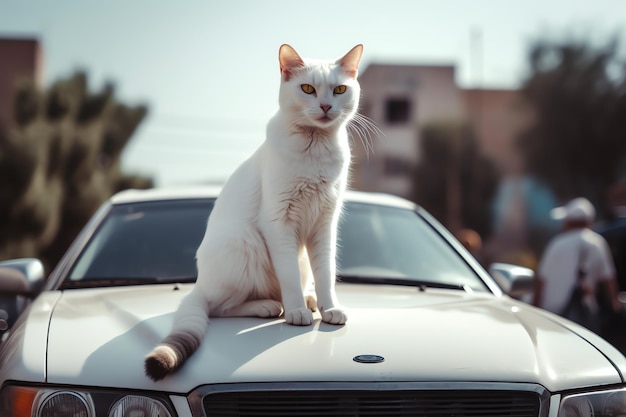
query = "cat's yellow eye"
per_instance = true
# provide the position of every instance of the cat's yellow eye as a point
(340, 89)
(307, 88)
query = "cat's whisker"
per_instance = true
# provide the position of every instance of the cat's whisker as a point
(365, 129)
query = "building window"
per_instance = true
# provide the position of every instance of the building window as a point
(398, 110)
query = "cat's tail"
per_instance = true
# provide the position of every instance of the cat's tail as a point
(190, 324)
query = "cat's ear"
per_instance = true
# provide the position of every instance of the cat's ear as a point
(289, 61)
(350, 62)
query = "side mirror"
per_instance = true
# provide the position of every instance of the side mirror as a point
(516, 281)
(20, 279)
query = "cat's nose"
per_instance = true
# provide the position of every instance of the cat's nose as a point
(325, 107)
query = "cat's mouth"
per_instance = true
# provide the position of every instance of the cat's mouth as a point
(325, 119)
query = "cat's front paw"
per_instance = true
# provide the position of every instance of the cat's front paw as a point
(299, 317)
(334, 315)
(269, 308)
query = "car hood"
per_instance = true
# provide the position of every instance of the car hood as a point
(100, 336)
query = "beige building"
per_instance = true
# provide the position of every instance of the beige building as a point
(20, 59)
(400, 99)
(497, 117)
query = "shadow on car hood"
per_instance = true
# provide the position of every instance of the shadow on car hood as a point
(99, 337)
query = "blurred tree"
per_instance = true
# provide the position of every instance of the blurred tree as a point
(453, 180)
(577, 93)
(58, 162)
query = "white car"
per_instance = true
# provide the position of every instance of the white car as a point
(430, 333)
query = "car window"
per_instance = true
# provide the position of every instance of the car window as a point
(157, 242)
(378, 241)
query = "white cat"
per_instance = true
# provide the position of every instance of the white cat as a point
(273, 229)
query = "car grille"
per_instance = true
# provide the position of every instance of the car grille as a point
(372, 403)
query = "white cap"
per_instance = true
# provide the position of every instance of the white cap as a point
(578, 209)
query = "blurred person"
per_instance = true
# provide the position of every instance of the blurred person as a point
(578, 258)
(471, 240)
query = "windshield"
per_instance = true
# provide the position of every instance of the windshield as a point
(388, 242)
(145, 241)
(157, 242)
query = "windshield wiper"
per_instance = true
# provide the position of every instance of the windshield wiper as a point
(407, 282)
(122, 282)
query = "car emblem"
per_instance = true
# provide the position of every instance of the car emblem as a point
(368, 359)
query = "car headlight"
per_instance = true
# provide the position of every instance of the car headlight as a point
(66, 403)
(21, 401)
(136, 405)
(597, 404)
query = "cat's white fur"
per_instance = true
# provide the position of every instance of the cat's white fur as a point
(273, 230)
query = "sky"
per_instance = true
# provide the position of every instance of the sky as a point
(208, 70)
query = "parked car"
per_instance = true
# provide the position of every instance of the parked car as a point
(430, 333)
